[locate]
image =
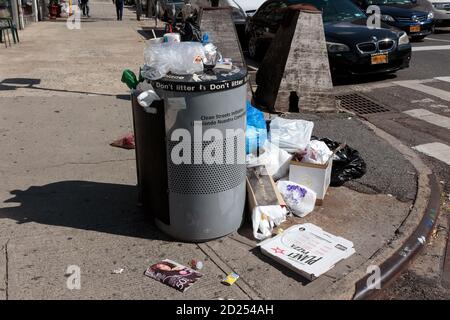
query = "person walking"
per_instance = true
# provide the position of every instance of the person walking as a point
(119, 8)
(85, 7)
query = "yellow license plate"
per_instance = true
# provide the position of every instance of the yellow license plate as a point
(379, 58)
(414, 29)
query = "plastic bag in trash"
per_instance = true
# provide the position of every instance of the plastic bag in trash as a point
(275, 159)
(256, 133)
(290, 135)
(265, 218)
(317, 152)
(347, 164)
(300, 199)
(145, 100)
(178, 58)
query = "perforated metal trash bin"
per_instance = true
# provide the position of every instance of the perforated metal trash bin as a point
(204, 139)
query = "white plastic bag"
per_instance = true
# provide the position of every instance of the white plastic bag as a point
(265, 218)
(179, 58)
(299, 199)
(290, 135)
(145, 100)
(275, 160)
(317, 152)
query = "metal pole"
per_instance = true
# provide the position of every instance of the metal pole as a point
(35, 10)
(15, 12)
(21, 20)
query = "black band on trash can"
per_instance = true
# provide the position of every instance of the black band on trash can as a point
(179, 84)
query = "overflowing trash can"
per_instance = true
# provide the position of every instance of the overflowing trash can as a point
(190, 152)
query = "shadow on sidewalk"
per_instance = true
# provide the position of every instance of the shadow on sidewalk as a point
(30, 83)
(102, 207)
(147, 32)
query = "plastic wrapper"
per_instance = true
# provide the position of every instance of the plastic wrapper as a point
(145, 100)
(256, 133)
(177, 58)
(275, 159)
(317, 152)
(265, 218)
(347, 164)
(291, 135)
(300, 199)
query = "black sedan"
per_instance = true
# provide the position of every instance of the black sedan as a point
(352, 46)
(411, 16)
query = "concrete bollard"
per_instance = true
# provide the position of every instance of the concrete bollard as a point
(295, 73)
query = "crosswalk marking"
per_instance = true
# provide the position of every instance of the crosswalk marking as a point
(446, 79)
(429, 117)
(431, 48)
(417, 85)
(434, 39)
(436, 150)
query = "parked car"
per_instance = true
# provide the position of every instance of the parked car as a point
(241, 8)
(412, 16)
(441, 11)
(352, 46)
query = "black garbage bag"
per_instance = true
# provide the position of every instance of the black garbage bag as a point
(347, 164)
(190, 31)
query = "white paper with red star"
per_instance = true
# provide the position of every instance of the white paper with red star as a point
(307, 249)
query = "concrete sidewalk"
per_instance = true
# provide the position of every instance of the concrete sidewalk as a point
(68, 198)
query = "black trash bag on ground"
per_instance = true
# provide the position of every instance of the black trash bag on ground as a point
(347, 164)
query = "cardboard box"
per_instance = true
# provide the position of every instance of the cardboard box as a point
(261, 189)
(307, 250)
(314, 176)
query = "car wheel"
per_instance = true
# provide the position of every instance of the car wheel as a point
(254, 50)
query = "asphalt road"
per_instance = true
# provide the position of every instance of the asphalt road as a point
(419, 102)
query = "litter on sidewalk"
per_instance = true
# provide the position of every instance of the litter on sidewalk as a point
(118, 271)
(314, 176)
(266, 204)
(126, 142)
(307, 250)
(291, 135)
(347, 163)
(299, 199)
(196, 264)
(230, 279)
(173, 274)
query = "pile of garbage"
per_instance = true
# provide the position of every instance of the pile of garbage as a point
(301, 166)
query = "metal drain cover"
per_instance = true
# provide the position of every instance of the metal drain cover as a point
(360, 104)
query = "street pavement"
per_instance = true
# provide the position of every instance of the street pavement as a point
(68, 198)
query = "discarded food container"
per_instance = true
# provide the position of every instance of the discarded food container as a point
(307, 249)
(314, 176)
(190, 153)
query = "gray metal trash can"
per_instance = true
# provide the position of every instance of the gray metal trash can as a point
(204, 133)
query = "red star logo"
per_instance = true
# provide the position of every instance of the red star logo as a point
(278, 250)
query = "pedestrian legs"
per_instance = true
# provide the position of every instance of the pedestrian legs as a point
(119, 9)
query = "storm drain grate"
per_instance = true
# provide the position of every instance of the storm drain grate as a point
(359, 104)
